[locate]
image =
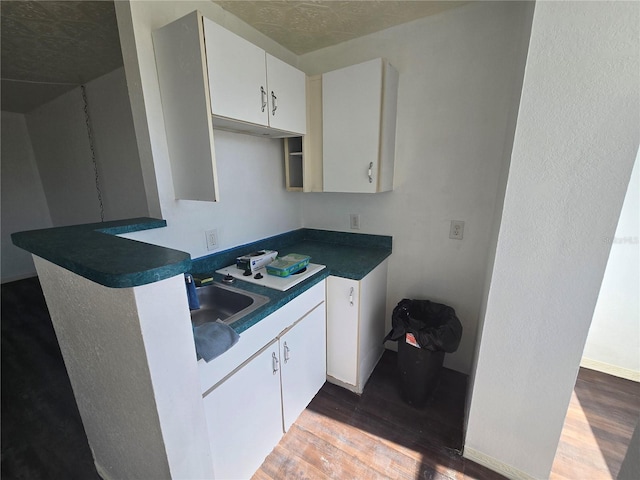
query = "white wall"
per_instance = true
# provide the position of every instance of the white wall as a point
(253, 202)
(59, 137)
(613, 343)
(575, 144)
(24, 206)
(116, 147)
(459, 78)
(141, 408)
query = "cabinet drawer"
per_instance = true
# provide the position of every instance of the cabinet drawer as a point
(258, 336)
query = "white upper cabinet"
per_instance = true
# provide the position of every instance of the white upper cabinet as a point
(247, 84)
(359, 105)
(286, 96)
(184, 89)
(237, 76)
(212, 78)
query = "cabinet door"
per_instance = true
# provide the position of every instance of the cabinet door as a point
(304, 363)
(351, 113)
(244, 416)
(237, 76)
(343, 305)
(371, 331)
(287, 98)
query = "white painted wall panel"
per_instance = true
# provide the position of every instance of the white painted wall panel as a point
(458, 75)
(24, 206)
(59, 137)
(121, 182)
(575, 144)
(132, 364)
(613, 343)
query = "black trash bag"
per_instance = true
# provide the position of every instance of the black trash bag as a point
(435, 326)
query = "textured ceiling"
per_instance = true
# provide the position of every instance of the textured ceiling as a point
(305, 26)
(48, 47)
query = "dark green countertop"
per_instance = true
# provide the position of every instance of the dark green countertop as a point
(95, 252)
(345, 255)
(348, 255)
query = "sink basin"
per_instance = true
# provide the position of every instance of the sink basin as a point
(228, 304)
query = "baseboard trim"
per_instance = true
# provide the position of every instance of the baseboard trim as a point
(101, 471)
(610, 369)
(15, 278)
(340, 383)
(495, 465)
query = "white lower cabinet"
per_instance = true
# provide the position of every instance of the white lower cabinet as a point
(249, 410)
(303, 355)
(243, 417)
(356, 311)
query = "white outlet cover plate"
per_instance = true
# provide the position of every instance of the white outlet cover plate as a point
(456, 231)
(212, 239)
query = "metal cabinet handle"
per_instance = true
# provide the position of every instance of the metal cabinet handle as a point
(274, 362)
(370, 172)
(286, 352)
(351, 296)
(263, 96)
(274, 104)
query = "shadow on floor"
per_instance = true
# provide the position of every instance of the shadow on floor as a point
(43, 436)
(375, 435)
(42, 433)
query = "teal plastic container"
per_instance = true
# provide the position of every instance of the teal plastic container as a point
(285, 266)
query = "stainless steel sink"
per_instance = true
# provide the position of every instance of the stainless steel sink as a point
(228, 304)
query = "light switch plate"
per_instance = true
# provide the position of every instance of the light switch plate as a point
(354, 221)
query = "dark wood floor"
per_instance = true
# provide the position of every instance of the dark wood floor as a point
(602, 414)
(339, 436)
(42, 433)
(377, 436)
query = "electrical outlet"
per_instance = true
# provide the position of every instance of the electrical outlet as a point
(212, 239)
(354, 221)
(456, 230)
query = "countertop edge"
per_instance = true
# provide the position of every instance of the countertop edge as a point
(95, 252)
(74, 247)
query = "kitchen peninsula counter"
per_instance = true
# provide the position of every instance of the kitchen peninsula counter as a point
(132, 345)
(94, 251)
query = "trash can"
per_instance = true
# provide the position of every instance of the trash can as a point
(425, 331)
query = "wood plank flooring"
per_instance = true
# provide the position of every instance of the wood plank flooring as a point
(602, 414)
(377, 436)
(339, 436)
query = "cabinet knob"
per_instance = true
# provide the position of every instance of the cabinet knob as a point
(263, 96)
(274, 362)
(274, 104)
(370, 172)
